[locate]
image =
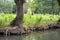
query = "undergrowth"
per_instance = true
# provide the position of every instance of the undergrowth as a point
(29, 20)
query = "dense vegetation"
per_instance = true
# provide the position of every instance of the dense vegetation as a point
(44, 6)
(29, 20)
(39, 12)
(32, 6)
(24, 16)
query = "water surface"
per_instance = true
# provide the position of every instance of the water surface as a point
(47, 35)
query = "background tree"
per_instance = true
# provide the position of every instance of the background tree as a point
(44, 6)
(58, 4)
(6, 6)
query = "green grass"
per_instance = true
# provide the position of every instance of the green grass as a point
(29, 20)
(5, 19)
(38, 19)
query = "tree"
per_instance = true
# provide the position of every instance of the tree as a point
(58, 2)
(18, 21)
(44, 6)
(6, 6)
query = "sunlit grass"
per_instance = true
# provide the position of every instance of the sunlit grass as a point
(29, 20)
(40, 19)
(5, 19)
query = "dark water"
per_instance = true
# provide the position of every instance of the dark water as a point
(47, 35)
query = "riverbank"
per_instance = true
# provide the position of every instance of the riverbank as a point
(24, 30)
(31, 23)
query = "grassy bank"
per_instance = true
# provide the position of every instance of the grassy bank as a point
(5, 19)
(29, 20)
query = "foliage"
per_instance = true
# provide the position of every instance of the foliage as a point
(34, 6)
(29, 19)
(6, 6)
(5, 19)
(44, 6)
(38, 19)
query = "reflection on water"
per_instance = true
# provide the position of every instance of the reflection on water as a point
(48, 35)
(11, 37)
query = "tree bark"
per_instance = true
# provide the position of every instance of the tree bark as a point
(58, 2)
(18, 21)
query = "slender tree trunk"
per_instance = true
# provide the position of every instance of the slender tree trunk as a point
(59, 5)
(58, 2)
(18, 21)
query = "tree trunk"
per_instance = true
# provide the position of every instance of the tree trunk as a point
(18, 21)
(58, 2)
(59, 5)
